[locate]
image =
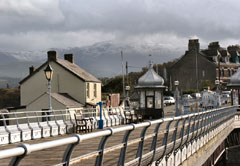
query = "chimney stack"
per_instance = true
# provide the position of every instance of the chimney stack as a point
(52, 55)
(31, 70)
(69, 57)
(193, 45)
(214, 45)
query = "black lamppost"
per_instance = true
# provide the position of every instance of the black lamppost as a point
(48, 73)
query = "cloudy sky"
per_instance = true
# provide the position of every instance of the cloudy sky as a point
(43, 24)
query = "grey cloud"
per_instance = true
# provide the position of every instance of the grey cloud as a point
(121, 19)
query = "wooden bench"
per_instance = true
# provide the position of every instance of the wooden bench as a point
(83, 124)
(132, 117)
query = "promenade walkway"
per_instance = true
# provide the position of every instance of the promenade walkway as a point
(189, 132)
(54, 155)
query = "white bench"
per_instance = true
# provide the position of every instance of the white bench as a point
(4, 135)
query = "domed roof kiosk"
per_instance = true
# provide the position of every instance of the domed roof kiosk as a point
(234, 84)
(150, 87)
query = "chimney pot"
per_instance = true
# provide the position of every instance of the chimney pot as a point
(31, 70)
(69, 57)
(52, 55)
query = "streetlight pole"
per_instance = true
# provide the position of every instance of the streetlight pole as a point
(196, 53)
(49, 95)
(177, 113)
(218, 93)
(123, 80)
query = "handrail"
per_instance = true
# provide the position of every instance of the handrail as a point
(202, 122)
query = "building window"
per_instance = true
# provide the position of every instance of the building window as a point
(142, 99)
(229, 72)
(88, 93)
(158, 101)
(222, 72)
(203, 73)
(95, 90)
(149, 102)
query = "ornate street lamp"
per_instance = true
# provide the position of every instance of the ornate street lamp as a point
(48, 73)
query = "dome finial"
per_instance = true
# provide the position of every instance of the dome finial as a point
(150, 61)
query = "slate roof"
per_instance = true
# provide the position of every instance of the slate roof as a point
(71, 67)
(211, 52)
(66, 100)
(75, 69)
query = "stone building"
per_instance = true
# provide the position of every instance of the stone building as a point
(198, 65)
(72, 87)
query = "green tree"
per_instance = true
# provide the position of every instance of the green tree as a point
(206, 84)
(9, 97)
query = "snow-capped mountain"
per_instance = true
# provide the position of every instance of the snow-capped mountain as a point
(101, 59)
(104, 59)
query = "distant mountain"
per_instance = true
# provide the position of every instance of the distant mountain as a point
(101, 59)
(104, 59)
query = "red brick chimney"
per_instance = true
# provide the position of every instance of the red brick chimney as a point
(69, 57)
(52, 55)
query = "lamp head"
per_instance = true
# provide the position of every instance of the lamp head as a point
(48, 72)
(176, 83)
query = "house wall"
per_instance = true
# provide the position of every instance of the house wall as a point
(62, 82)
(185, 71)
(92, 99)
(35, 86)
(43, 103)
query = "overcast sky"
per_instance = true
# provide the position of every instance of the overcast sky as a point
(43, 24)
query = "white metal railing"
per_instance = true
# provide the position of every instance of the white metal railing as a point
(177, 133)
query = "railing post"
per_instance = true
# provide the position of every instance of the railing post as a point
(16, 160)
(141, 143)
(154, 142)
(182, 132)
(174, 137)
(68, 152)
(124, 149)
(187, 130)
(165, 140)
(198, 126)
(99, 158)
(193, 129)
